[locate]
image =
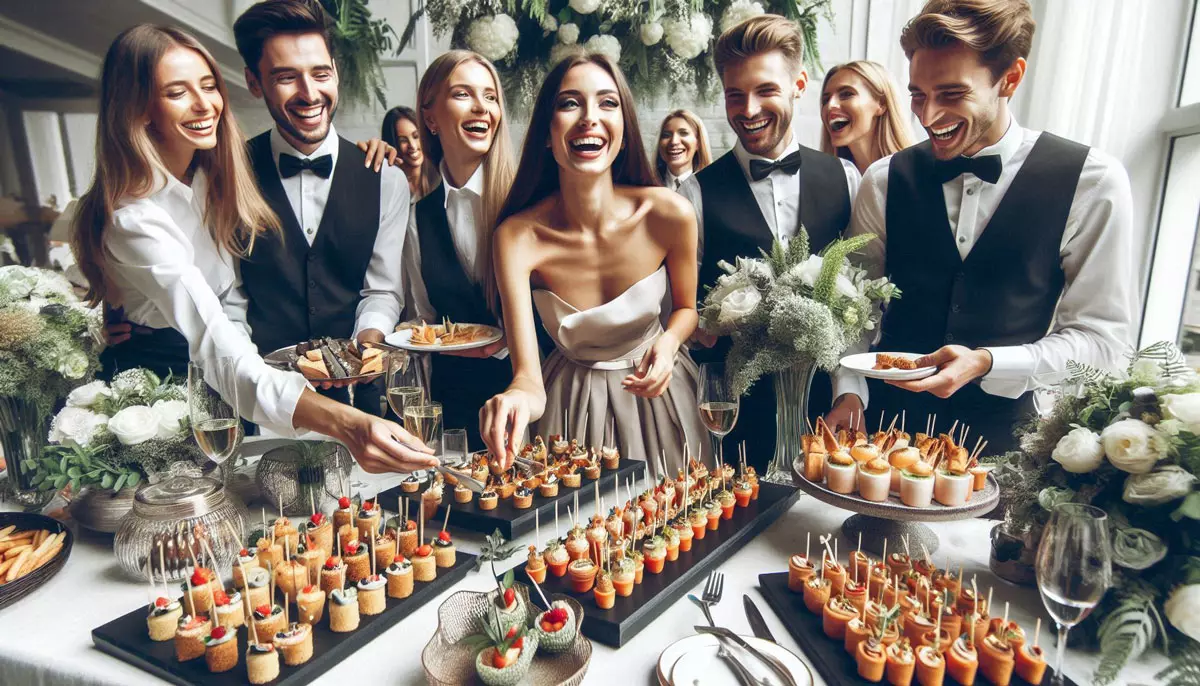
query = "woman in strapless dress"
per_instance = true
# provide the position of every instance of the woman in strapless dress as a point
(589, 239)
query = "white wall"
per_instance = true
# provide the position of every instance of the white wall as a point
(46, 149)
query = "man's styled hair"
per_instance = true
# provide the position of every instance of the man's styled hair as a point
(999, 30)
(759, 35)
(270, 18)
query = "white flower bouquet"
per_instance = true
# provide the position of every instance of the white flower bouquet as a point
(792, 307)
(49, 339)
(1129, 444)
(663, 47)
(114, 436)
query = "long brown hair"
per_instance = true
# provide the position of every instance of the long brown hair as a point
(388, 135)
(498, 165)
(128, 164)
(537, 175)
(703, 156)
(890, 132)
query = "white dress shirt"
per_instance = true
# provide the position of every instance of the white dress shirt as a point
(170, 273)
(674, 182)
(307, 193)
(1094, 321)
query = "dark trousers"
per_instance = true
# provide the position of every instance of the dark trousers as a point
(463, 385)
(162, 351)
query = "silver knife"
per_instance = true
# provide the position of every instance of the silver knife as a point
(766, 660)
(757, 625)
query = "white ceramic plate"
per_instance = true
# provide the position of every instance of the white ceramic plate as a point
(864, 363)
(694, 660)
(403, 340)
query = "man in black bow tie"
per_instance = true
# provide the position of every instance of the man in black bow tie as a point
(1012, 248)
(765, 189)
(335, 270)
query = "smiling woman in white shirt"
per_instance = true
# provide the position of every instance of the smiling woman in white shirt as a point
(172, 204)
(682, 148)
(448, 252)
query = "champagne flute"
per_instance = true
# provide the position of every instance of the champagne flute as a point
(213, 407)
(425, 422)
(1074, 568)
(404, 383)
(718, 405)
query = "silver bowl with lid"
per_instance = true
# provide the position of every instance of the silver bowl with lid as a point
(180, 520)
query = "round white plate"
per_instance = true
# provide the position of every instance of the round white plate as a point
(694, 660)
(864, 363)
(403, 340)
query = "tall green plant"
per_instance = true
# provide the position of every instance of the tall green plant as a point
(358, 40)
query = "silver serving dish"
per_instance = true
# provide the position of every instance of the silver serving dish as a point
(302, 474)
(172, 521)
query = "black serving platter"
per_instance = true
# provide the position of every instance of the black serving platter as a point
(14, 591)
(508, 519)
(835, 665)
(126, 638)
(630, 615)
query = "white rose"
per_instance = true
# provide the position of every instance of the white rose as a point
(87, 394)
(1183, 610)
(1162, 485)
(1133, 446)
(584, 6)
(652, 33)
(493, 37)
(739, 304)
(169, 414)
(605, 45)
(76, 426)
(809, 270)
(134, 425)
(73, 365)
(1079, 452)
(688, 37)
(1185, 408)
(568, 34)
(844, 286)
(738, 12)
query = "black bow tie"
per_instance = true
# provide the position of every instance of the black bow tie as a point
(986, 168)
(290, 165)
(761, 169)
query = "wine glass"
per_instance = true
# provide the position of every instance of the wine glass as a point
(404, 383)
(718, 405)
(425, 422)
(1074, 568)
(213, 407)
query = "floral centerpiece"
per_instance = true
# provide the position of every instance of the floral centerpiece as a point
(1129, 444)
(49, 342)
(788, 313)
(114, 436)
(662, 45)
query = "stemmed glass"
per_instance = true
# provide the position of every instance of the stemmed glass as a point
(213, 407)
(718, 405)
(405, 386)
(1074, 568)
(425, 422)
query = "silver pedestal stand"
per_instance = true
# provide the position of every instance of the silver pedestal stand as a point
(893, 520)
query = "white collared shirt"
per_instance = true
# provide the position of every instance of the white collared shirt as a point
(308, 194)
(171, 273)
(1094, 321)
(674, 182)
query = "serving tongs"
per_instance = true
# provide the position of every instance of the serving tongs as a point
(456, 477)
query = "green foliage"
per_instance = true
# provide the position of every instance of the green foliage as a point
(358, 40)
(1127, 631)
(62, 466)
(496, 548)
(835, 255)
(1184, 669)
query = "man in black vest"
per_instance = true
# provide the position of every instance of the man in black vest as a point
(1012, 248)
(765, 189)
(335, 271)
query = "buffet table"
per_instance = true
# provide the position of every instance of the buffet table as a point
(46, 637)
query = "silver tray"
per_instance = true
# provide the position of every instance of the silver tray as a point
(285, 358)
(447, 662)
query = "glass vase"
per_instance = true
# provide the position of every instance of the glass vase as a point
(791, 409)
(23, 432)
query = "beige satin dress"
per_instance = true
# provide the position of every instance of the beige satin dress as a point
(598, 347)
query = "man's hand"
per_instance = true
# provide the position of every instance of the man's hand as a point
(378, 152)
(369, 336)
(846, 413)
(381, 446)
(485, 351)
(957, 366)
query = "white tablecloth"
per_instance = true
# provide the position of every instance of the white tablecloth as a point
(46, 638)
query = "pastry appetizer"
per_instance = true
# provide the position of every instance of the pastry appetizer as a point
(258, 587)
(488, 500)
(262, 663)
(368, 523)
(198, 601)
(399, 578)
(268, 620)
(549, 486)
(962, 661)
(344, 514)
(683, 530)
(229, 611)
(952, 488)
(220, 649)
(900, 460)
(290, 577)
(343, 610)
(424, 564)
(287, 535)
(875, 480)
(901, 662)
(407, 538)
(164, 618)
(610, 458)
(997, 660)
(816, 594)
(522, 498)
(295, 643)
(358, 561)
(190, 633)
(372, 600)
(270, 554)
(604, 591)
(245, 561)
(384, 549)
(312, 557)
(310, 605)
(835, 615)
(411, 484)
(841, 472)
(556, 557)
(857, 631)
(623, 577)
(535, 565)
(1030, 663)
(931, 666)
(444, 553)
(462, 494)
(871, 659)
(581, 574)
(431, 499)
(333, 575)
(916, 486)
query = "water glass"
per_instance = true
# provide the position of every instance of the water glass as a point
(213, 407)
(454, 446)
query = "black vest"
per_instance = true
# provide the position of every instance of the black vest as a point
(461, 384)
(1004, 293)
(298, 292)
(734, 226)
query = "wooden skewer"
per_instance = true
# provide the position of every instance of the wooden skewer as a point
(446, 519)
(902, 413)
(807, 541)
(1037, 632)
